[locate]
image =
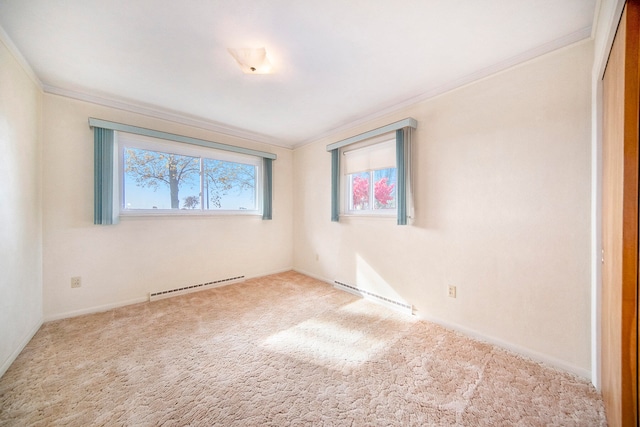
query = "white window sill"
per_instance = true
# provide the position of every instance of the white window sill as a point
(187, 213)
(369, 215)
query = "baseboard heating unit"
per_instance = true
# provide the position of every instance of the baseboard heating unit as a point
(153, 296)
(396, 305)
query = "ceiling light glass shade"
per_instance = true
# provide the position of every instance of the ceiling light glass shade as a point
(252, 61)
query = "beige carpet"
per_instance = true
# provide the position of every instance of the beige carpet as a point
(278, 351)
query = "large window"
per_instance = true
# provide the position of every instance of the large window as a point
(161, 176)
(370, 178)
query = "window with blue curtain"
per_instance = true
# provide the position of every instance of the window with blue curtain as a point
(370, 173)
(143, 171)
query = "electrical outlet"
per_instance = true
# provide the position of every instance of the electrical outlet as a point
(452, 291)
(76, 282)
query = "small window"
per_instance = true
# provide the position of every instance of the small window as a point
(161, 176)
(370, 176)
(373, 190)
(371, 173)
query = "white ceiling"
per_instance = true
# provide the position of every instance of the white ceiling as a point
(336, 62)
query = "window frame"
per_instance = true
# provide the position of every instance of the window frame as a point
(346, 186)
(130, 140)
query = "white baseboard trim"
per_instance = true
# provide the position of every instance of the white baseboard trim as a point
(106, 307)
(313, 276)
(523, 351)
(282, 270)
(95, 309)
(25, 340)
(170, 293)
(531, 354)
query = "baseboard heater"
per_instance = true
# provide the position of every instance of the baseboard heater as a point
(396, 305)
(153, 296)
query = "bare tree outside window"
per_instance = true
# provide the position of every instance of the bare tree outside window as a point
(206, 181)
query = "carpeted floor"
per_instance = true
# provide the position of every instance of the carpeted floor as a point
(282, 350)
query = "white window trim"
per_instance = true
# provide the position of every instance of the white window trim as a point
(124, 139)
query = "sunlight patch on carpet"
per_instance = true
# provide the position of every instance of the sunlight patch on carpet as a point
(330, 342)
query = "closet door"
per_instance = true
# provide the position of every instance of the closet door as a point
(620, 223)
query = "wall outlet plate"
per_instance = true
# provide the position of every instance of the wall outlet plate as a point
(76, 282)
(452, 291)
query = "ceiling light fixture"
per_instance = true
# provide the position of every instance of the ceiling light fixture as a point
(252, 61)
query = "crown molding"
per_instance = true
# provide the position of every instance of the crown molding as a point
(514, 61)
(15, 52)
(608, 20)
(596, 17)
(164, 114)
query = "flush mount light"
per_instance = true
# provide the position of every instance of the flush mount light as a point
(252, 61)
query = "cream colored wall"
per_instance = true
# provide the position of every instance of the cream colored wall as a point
(502, 196)
(20, 208)
(122, 263)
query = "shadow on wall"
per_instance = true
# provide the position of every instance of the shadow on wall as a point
(356, 272)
